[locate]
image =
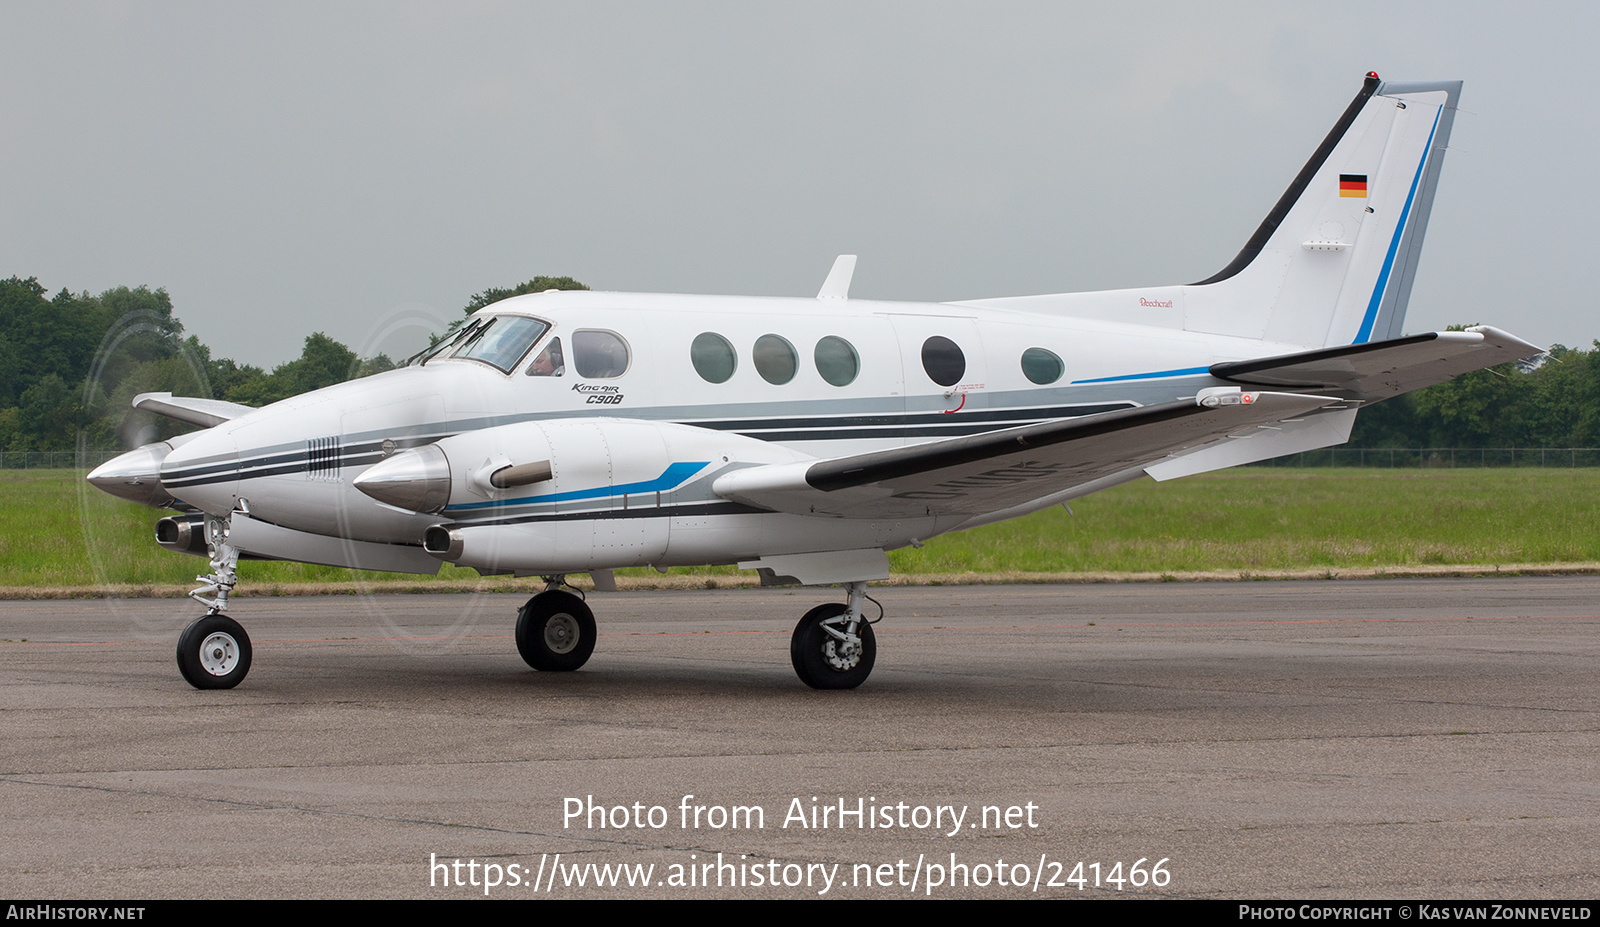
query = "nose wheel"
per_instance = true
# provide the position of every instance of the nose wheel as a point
(214, 653)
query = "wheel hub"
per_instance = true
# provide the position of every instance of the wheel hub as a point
(561, 633)
(842, 655)
(219, 653)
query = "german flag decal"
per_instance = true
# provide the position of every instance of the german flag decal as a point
(1353, 185)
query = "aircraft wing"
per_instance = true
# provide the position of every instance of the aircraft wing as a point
(203, 412)
(998, 470)
(1381, 369)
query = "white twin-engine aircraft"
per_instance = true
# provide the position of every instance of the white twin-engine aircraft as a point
(572, 432)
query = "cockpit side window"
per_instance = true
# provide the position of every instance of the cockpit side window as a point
(502, 341)
(599, 355)
(549, 362)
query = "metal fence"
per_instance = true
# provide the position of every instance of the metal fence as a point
(1417, 458)
(54, 460)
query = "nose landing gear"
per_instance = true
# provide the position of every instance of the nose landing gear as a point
(214, 650)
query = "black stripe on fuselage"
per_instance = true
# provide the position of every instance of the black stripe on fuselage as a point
(1005, 416)
(267, 466)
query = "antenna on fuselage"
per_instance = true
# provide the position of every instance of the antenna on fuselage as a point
(837, 286)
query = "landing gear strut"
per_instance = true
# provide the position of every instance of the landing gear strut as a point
(833, 646)
(555, 629)
(214, 650)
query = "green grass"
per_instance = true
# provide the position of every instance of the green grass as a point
(58, 531)
(1285, 519)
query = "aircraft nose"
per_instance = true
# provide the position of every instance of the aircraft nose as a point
(204, 472)
(135, 476)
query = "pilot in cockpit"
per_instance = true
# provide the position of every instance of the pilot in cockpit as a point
(549, 362)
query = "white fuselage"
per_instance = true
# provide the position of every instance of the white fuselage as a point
(293, 462)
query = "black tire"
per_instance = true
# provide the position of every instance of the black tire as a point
(816, 657)
(214, 653)
(555, 632)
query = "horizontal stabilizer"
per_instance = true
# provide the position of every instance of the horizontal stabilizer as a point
(1009, 467)
(206, 413)
(1380, 369)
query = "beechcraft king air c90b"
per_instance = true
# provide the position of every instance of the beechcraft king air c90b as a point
(571, 432)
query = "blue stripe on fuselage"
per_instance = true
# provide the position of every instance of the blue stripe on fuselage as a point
(670, 478)
(1187, 371)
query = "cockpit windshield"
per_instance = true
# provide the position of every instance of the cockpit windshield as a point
(500, 341)
(447, 342)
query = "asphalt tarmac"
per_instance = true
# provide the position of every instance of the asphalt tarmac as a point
(1339, 739)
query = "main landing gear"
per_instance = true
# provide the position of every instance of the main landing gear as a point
(833, 646)
(214, 650)
(555, 629)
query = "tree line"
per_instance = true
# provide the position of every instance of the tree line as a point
(71, 363)
(1551, 402)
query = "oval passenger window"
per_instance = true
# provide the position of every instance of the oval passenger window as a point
(943, 360)
(837, 361)
(1042, 366)
(775, 359)
(713, 357)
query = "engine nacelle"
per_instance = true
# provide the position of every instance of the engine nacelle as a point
(564, 495)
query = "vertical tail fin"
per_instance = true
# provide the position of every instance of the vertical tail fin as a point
(1334, 261)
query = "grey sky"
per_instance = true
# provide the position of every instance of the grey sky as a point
(284, 168)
